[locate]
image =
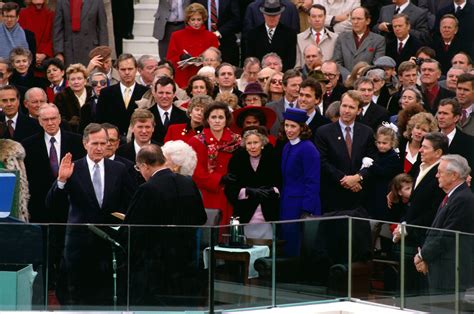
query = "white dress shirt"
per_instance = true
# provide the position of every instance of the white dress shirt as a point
(57, 144)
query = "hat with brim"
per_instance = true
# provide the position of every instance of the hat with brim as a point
(295, 114)
(253, 88)
(272, 7)
(240, 114)
(318, 76)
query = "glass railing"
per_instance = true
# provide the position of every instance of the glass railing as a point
(199, 268)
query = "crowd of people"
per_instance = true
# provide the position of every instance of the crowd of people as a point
(334, 109)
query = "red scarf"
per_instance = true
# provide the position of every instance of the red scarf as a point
(76, 7)
(213, 148)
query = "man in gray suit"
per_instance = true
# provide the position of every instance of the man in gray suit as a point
(74, 38)
(291, 86)
(418, 18)
(465, 96)
(169, 17)
(360, 44)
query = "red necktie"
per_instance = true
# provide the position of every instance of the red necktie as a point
(444, 202)
(446, 47)
(11, 131)
(400, 48)
(348, 140)
(318, 38)
(213, 16)
(76, 6)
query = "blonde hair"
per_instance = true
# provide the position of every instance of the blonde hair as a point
(76, 68)
(422, 118)
(193, 9)
(228, 98)
(387, 131)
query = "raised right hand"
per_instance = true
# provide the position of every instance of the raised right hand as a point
(66, 168)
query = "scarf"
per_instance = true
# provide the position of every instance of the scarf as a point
(214, 148)
(76, 7)
(10, 39)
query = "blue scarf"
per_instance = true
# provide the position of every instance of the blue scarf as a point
(10, 39)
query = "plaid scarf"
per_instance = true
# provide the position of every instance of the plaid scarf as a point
(214, 148)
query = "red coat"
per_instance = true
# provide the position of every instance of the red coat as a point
(209, 182)
(40, 22)
(195, 42)
(179, 132)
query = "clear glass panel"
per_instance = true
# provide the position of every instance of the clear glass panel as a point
(240, 279)
(311, 264)
(23, 266)
(466, 273)
(375, 262)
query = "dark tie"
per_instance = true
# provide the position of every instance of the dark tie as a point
(270, 35)
(458, 10)
(446, 47)
(463, 117)
(348, 140)
(397, 10)
(400, 48)
(213, 16)
(53, 158)
(11, 131)
(444, 202)
(167, 120)
(291, 105)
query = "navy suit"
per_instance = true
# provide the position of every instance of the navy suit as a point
(25, 127)
(409, 50)
(111, 108)
(87, 277)
(177, 116)
(439, 248)
(336, 163)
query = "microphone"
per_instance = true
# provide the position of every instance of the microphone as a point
(103, 235)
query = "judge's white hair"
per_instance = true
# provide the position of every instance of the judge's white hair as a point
(182, 155)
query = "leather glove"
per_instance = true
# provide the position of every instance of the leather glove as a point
(184, 56)
(228, 179)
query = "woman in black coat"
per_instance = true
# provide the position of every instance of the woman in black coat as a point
(251, 183)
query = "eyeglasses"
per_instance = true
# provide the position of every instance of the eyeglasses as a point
(101, 83)
(263, 79)
(275, 81)
(330, 76)
(10, 16)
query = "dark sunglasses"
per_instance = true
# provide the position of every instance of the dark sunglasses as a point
(101, 83)
(275, 81)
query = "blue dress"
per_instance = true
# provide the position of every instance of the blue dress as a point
(301, 176)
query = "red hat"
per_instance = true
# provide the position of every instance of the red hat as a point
(239, 116)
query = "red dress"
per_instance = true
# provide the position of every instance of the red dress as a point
(40, 22)
(211, 166)
(182, 131)
(195, 42)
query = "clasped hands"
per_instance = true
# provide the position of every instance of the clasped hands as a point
(261, 193)
(420, 264)
(351, 183)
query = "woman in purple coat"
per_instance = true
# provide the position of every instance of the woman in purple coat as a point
(301, 177)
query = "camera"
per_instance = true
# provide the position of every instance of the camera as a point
(419, 61)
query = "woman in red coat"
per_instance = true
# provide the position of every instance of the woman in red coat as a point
(214, 148)
(195, 112)
(190, 42)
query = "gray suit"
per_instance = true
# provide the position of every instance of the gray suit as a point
(279, 108)
(468, 126)
(347, 55)
(75, 46)
(161, 30)
(418, 21)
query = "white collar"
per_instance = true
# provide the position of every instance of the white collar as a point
(122, 88)
(295, 141)
(91, 163)
(14, 119)
(451, 135)
(404, 42)
(137, 147)
(56, 136)
(403, 6)
(459, 5)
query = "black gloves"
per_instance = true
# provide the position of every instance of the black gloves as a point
(228, 179)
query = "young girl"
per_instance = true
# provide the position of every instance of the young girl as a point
(400, 190)
(387, 166)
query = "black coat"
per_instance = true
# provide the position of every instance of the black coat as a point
(40, 176)
(283, 38)
(442, 94)
(374, 116)
(177, 116)
(111, 108)
(335, 96)
(317, 121)
(265, 175)
(25, 127)
(444, 57)
(409, 50)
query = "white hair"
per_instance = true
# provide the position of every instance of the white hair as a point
(182, 155)
(457, 164)
(206, 71)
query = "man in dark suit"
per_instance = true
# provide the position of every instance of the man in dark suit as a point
(403, 46)
(438, 253)
(226, 81)
(432, 93)
(95, 187)
(117, 102)
(164, 111)
(163, 255)
(272, 36)
(42, 161)
(418, 20)
(14, 124)
(310, 96)
(464, 12)
(334, 89)
(371, 114)
(342, 146)
(291, 87)
(143, 126)
(228, 24)
(448, 115)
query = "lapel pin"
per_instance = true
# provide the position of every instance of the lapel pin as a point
(338, 138)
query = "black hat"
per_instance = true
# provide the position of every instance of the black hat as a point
(272, 7)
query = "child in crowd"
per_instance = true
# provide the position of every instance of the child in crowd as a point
(400, 189)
